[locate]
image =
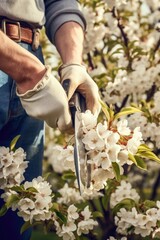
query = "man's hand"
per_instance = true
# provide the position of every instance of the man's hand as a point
(81, 81)
(48, 101)
(69, 43)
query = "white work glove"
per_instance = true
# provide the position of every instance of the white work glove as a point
(80, 81)
(48, 101)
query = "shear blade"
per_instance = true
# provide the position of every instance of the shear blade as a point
(77, 152)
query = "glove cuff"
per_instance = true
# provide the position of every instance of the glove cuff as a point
(69, 65)
(39, 86)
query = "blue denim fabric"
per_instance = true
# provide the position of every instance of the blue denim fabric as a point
(15, 121)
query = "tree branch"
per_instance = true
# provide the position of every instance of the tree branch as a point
(155, 187)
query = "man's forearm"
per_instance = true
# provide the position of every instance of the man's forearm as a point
(69, 42)
(22, 66)
(26, 69)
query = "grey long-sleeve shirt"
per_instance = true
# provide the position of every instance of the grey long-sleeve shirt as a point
(51, 13)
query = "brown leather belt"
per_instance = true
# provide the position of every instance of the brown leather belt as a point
(20, 32)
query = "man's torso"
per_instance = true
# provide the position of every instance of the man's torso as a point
(31, 11)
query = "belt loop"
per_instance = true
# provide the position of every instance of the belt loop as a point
(36, 39)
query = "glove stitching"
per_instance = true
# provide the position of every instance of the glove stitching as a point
(39, 86)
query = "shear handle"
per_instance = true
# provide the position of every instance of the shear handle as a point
(77, 101)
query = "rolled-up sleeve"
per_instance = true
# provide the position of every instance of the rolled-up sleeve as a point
(57, 12)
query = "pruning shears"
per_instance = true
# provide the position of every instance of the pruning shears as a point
(82, 167)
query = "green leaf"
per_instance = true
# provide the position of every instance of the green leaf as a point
(132, 44)
(55, 206)
(118, 50)
(149, 204)
(67, 176)
(61, 217)
(143, 148)
(126, 111)
(149, 155)
(109, 113)
(17, 189)
(13, 142)
(97, 214)
(132, 158)
(116, 170)
(46, 176)
(11, 200)
(138, 161)
(32, 189)
(105, 201)
(109, 189)
(25, 226)
(126, 203)
(3, 210)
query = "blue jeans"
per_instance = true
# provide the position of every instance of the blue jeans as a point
(15, 121)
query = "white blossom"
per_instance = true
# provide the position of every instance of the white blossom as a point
(62, 158)
(37, 207)
(92, 140)
(87, 224)
(67, 231)
(135, 141)
(25, 204)
(72, 213)
(122, 127)
(12, 166)
(69, 195)
(93, 37)
(112, 238)
(156, 233)
(123, 191)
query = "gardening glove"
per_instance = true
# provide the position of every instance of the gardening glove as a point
(80, 81)
(48, 101)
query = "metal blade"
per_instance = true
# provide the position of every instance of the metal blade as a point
(76, 153)
(78, 102)
(74, 104)
(82, 168)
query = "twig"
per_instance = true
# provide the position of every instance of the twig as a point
(155, 187)
(120, 26)
(94, 210)
(151, 92)
(124, 37)
(91, 64)
(97, 52)
(103, 61)
(117, 109)
(157, 46)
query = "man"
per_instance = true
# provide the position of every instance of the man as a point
(29, 94)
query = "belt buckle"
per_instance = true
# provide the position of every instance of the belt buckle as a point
(3, 28)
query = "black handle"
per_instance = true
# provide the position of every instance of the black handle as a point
(77, 101)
